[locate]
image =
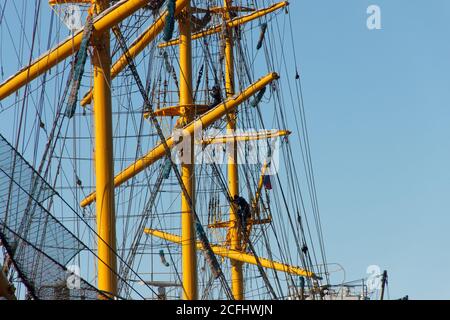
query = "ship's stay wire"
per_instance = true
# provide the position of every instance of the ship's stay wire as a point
(286, 202)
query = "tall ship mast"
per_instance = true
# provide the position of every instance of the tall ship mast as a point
(156, 150)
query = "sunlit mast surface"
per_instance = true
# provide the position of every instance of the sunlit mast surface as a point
(190, 114)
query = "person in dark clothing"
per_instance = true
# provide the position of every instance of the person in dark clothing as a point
(243, 210)
(216, 95)
(154, 5)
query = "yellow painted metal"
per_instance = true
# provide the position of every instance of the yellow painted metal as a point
(104, 169)
(226, 224)
(237, 255)
(237, 276)
(188, 247)
(250, 136)
(204, 120)
(222, 139)
(65, 49)
(222, 10)
(260, 185)
(255, 201)
(56, 2)
(6, 289)
(227, 9)
(138, 45)
(230, 24)
(173, 111)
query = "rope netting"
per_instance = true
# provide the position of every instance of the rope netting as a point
(38, 244)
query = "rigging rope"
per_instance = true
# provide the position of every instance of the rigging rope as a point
(169, 68)
(169, 26)
(247, 72)
(209, 255)
(261, 36)
(166, 169)
(199, 24)
(255, 102)
(163, 258)
(80, 61)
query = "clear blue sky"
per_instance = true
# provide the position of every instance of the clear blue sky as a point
(378, 104)
(378, 107)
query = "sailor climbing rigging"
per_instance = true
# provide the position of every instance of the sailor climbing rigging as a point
(243, 210)
(216, 95)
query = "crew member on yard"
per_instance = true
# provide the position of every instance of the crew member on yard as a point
(216, 95)
(243, 211)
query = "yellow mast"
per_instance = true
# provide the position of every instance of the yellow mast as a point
(188, 248)
(230, 24)
(104, 168)
(65, 49)
(138, 45)
(205, 120)
(237, 279)
(238, 255)
(105, 208)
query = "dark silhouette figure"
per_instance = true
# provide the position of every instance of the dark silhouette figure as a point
(243, 210)
(216, 95)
